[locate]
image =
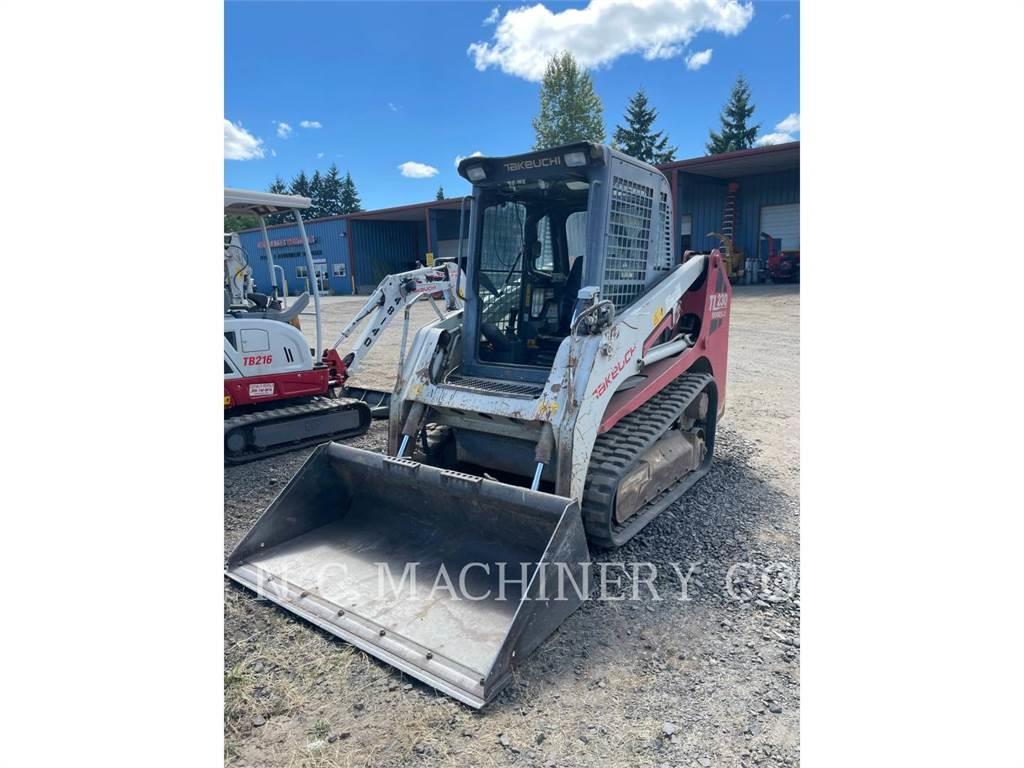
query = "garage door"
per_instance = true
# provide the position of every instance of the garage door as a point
(782, 222)
(449, 249)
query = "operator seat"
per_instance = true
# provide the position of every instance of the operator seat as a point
(283, 315)
(261, 300)
(569, 292)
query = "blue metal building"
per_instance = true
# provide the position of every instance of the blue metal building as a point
(327, 243)
(353, 253)
(743, 194)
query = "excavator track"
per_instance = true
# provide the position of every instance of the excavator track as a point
(261, 434)
(619, 450)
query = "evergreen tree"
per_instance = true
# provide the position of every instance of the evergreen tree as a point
(735, 134)
(440, 193)
(234, 223)
(300, 185)
(569, 108)
(350, 202)
(278, 187)
(329, 202)
(316, 195)
(637, 139)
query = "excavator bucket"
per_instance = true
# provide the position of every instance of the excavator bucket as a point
(451, 578)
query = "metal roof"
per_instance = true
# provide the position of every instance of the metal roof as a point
(745, 162)
(413, 212)
(242, 201)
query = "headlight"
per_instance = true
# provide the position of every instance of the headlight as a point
(476, 173)
(575, 159)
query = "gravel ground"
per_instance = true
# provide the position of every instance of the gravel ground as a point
(710, 681)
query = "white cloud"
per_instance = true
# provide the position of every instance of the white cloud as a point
(662, 52)
(697, 60)
(319, 155)
(774, 138)
(392, 107)
(413, 170)
(273, 153)
(785, 17)
(310, 124)
(283, 130)
(460, 158)
(784, 130)
(239, 144)
(791, 124)
(492, 17)
(526, 38)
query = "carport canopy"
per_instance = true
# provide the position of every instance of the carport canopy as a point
(244, 201)
(744, 162)
(414, 212)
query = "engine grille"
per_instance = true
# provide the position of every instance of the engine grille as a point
(513, 388)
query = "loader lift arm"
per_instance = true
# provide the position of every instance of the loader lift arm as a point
(398, 291)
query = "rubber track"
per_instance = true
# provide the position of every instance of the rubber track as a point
(617, 451)
(316, 406)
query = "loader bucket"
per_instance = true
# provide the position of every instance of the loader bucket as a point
(337, 544)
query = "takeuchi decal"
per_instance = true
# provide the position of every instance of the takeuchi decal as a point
(533, 163)
(285, 242)
(613, 374)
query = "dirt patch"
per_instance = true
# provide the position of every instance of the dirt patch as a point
(712, 680)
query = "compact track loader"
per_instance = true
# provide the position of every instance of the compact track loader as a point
(571, 401)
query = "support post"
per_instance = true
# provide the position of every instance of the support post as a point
(311, 271)
(270, 256)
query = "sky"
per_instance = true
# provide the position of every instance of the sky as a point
(395, 92)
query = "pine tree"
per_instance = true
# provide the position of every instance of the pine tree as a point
(278, 187)
(234, 222)
(330, 192)
(569, 108)
(350, 202)
(316, 195)
(300, 185)
(735, 134)
(637, 139)
(440, 193)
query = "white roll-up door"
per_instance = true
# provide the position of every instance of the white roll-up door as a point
(448, 249)
(782, 222)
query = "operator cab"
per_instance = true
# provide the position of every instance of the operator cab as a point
(529, 270)
(528, 248)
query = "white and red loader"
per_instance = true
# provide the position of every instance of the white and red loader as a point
(571, 401)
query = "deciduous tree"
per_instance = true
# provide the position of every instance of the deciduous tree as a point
(570, 110)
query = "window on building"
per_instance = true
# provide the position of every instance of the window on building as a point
(686, 233)
(301, 272)
(339, 270)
